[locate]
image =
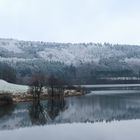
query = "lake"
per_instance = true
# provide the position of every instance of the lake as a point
(92, 116)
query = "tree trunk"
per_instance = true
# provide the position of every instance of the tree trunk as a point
(52, 91)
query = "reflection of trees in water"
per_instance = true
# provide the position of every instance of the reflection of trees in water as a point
(37, 113)
(6, 110)
(41, 113)
(54, 106)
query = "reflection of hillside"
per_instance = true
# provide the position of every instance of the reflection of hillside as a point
(18, 117)
(74, 109)
(102, 108)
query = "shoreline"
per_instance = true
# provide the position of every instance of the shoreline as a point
(16, 98)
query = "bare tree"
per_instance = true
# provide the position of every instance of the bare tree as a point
(36, 85)
(52, 83)
(55, 84)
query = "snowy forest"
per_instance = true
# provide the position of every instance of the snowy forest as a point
(83, 63)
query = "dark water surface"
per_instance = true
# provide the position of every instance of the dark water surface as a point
(83, 109)
(95, 116)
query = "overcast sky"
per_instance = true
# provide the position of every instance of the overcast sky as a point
(113, 21)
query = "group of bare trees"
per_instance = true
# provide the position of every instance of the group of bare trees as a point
(36, 85)
(38, 82)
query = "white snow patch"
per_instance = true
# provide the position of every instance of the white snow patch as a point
(123, 130)
(12, 88)
(113, 92)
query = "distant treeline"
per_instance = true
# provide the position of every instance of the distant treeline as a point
(85, 73)
(7, 73)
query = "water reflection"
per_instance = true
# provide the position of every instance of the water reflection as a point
(6, 110)
(54, 107)
(104, 108)
(92, 109)
(37, 113)
(42, 112)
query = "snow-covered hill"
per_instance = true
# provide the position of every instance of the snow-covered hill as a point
(28, 57)
(6, 87)
(14, 50)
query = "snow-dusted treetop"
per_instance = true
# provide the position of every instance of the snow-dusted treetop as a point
(14, 50)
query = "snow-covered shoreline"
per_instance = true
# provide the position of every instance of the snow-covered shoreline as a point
(14, 89)
(19, 93)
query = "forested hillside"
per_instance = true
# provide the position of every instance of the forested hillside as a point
(75, 63)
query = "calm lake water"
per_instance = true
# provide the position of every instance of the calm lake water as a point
(107, 117)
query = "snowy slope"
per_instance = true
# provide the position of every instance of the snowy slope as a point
(10, 45)
(18, 51)
(12, 88)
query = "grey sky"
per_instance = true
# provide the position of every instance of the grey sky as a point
(114, 21)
